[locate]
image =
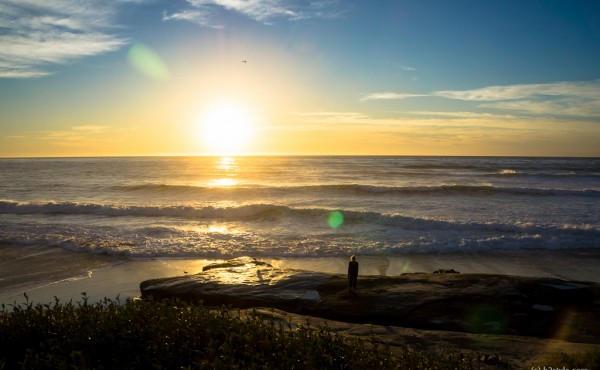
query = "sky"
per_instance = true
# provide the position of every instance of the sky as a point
(299, 77)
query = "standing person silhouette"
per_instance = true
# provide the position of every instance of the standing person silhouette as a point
(352, 273)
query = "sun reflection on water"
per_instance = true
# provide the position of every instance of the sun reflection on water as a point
(226, 164)
(217, 229)
(226, 168)
(224, 182)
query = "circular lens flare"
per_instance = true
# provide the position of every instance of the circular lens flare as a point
(335, 219)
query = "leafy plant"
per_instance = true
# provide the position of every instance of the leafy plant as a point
(176, 334)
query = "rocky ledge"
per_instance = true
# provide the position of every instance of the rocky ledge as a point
(445, 300)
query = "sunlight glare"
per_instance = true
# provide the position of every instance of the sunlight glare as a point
(226, 128)
(220, 229)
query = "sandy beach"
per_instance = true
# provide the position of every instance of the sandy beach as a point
(44, 273)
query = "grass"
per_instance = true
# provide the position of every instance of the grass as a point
(175, 334)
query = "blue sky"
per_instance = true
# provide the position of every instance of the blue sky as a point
(321, 77)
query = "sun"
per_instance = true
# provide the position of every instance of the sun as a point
(227, 128)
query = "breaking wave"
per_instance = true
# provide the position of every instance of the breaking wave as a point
(181, 211)
(243, 212)
(268, 230)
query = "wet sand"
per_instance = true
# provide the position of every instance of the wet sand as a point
(44, 273)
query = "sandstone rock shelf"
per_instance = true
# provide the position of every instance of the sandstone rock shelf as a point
(471, 303)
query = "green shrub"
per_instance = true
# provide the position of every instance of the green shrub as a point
(175, 334)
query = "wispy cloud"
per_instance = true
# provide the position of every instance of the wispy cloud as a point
(466, 115)
(90, 128)
(323, 120)
(39, 33)
(450, 134)
(78, 136)
(330, 117)
(524, 91)
(448, 130)
(560, 98)
(203, 17)
(205, 12)
(389, 96)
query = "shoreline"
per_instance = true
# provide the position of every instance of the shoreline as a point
(44, 272)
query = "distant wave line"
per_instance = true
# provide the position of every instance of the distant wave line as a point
(364, 189)
(591, 169)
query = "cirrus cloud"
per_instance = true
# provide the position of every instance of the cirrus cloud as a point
(523, 91)
(205, 12)
(39, 33)
(558, 99)
(390, 96)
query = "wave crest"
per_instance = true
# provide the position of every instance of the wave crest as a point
(252, 212)
(271, 229)
(182, 211)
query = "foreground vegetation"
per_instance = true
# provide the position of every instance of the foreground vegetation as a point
(175, 334)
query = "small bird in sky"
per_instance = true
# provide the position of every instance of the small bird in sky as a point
(243, 61)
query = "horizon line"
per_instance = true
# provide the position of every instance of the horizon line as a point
(291, 155)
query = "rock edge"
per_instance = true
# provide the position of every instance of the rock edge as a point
(472, 303)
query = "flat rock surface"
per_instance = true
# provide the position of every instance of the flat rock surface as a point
(519, 351)
(469, 303)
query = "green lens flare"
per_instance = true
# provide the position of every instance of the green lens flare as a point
(486, 319)
(148, 62)
(405, 266)
(335, 219)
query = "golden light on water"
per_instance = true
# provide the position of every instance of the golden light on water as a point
(227, 169)
(217, 229)
(226, 164)
(225, 182)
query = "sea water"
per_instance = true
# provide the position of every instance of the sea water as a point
(223, 207)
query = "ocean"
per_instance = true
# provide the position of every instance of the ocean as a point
(281, 206)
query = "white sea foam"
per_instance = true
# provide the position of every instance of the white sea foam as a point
(280, 206)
